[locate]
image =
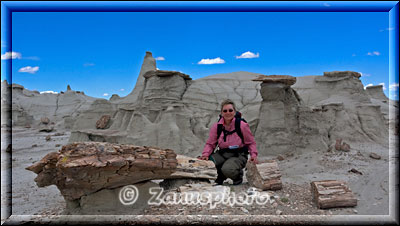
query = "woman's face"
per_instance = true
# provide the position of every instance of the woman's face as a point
(228, 112)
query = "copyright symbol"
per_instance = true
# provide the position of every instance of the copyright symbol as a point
(128, 195)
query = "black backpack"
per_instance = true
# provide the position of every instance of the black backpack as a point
(220, 129)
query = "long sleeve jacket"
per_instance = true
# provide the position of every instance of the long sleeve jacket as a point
(231, 140)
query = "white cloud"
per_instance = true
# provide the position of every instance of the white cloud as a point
(11, 55)
(326, 4)
(29, 69)
(353, 55)
(106, 94)
(374, 53)
(394, 86)
(3, 43)
(122, 90)
(248, 54)
(160, 58)
(368, 85)
(383, 85)
(88, 64)
(217, 60)
(387, 29)
(52, 92)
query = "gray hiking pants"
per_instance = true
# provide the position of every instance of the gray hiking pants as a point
(229, 164)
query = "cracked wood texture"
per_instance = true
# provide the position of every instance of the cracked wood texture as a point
(265, 176)
(194, 168)
(83, 168)
(332, 193)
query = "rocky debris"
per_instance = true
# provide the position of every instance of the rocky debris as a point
(355, 171)
(342, 74)
(278, 212)
(285, 79)
(48, 138)
(28, 126)
(45, 120)
(332, 193)
(280, 158)
(163, 73)
(83, 168)
(34, 145)
(194, 168)
(59, 134)
(46, 128)
(339, 146)
(265, 176)
(375, 156)
(58, 145)
(103, 122)
(345, 147)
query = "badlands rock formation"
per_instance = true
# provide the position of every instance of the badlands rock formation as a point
(28, 107)
(168, 109)
(286, 114)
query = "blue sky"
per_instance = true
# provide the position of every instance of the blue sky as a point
(101, 53)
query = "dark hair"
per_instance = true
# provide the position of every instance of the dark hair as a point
(226, 102)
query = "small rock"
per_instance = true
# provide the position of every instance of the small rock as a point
(45, 120)
(275, 204)
(345, 147)
(280, 158)
(59, 134)
(338, 144)
(34, 145)
(355, 211)
(27, 126)
(58, 145)
(48, 138)
(278, 212)
(355, 171)
(375, 156)
(244, 209)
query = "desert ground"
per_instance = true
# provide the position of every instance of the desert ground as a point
(298, 170)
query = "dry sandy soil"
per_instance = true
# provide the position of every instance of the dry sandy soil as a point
(298, 170)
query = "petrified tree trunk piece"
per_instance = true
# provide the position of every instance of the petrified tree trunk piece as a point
(194, 168)
(83, 168)
(265, 176)
(332, 193)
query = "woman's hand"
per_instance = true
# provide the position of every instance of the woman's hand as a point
(253, 160)
(202, 158)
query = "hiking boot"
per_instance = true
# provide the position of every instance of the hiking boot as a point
(238, 181)
(219, 181)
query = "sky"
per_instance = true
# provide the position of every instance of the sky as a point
(101, 53)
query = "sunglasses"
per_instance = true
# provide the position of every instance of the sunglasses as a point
(230, 110)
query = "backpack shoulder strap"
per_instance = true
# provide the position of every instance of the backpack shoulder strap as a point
(219, 128)
(238, 130)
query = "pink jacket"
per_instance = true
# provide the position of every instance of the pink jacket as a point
(231, 140)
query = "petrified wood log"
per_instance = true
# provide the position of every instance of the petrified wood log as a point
(194, 168)
(332, 193)
(83, 168)
(265, 176)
